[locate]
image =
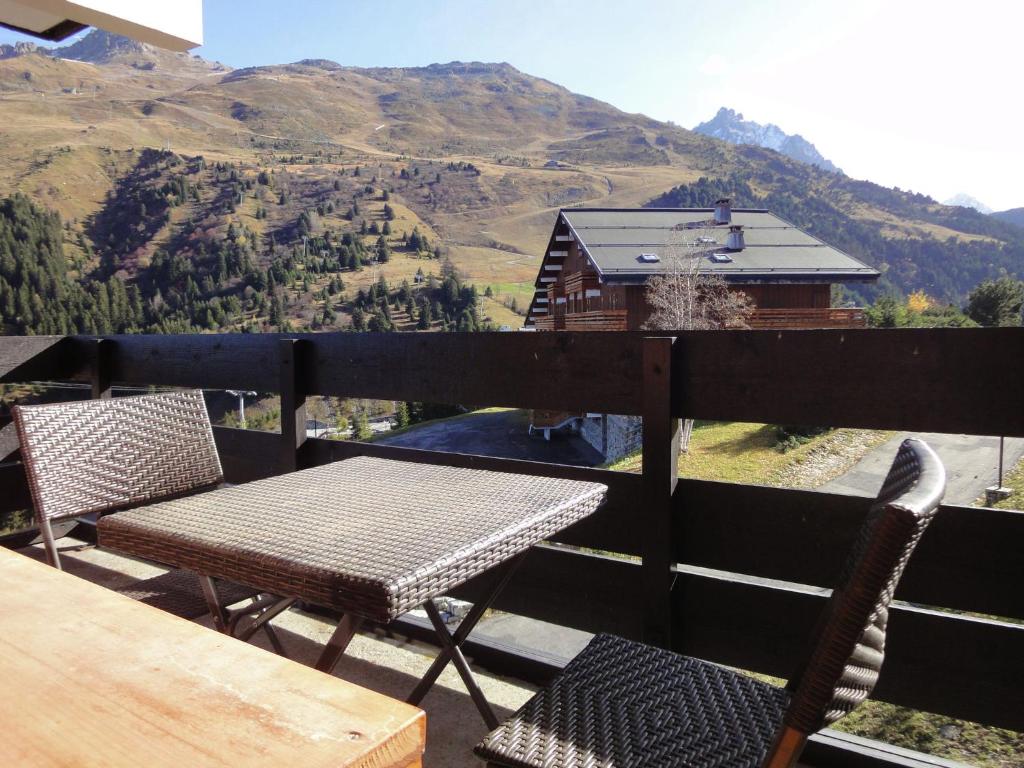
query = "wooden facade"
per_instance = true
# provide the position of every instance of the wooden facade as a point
(576, 300)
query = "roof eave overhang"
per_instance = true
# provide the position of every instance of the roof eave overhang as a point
(177, 25)
(62, 30)
(634, 278)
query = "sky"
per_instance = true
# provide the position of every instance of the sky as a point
(920, 95)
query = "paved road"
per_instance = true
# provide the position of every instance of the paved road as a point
(502, 434)
(972, 464)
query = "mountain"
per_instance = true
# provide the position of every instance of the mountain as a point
(966, 201)
(1013, 216)
(730, 126)
(101, 47)
(18, 49)
(284, 195)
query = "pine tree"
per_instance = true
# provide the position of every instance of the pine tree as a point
(275, 316)
(401, 414)
(358, 319)
(361, 426)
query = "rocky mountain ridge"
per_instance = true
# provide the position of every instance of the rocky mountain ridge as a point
(729, 125)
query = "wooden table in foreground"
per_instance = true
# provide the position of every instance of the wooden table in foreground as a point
(89, 677)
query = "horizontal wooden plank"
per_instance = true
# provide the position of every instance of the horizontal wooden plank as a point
(247, 454)
(928, 380)
(837, 749)
(938, 379)
(574, 589)
(969, 559)
(31, 358)
(525, 370)
(938, 662)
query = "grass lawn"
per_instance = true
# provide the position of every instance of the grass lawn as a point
(738, 452)
(1013, 480)
(936, 735)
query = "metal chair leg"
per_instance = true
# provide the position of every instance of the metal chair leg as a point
(49, 543)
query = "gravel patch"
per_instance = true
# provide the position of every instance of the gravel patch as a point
(830, 457)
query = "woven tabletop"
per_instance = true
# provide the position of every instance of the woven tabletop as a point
(373, 536)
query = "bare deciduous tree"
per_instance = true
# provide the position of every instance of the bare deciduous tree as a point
(687, 297)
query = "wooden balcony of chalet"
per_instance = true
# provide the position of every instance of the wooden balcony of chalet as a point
(799, 317)
(731, 573)
(597, 320)
(549, 322)
(580, 282)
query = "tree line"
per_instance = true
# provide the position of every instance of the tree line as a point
(947, 269)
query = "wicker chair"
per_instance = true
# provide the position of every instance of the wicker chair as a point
(621, 703)
(88, 457)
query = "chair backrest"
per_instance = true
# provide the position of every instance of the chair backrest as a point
(849, 641)
(100, 455)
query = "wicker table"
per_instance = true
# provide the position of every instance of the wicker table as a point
(372, 538)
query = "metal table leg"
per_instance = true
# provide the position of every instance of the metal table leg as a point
(450, 644)
(339, 641)
(261, 611)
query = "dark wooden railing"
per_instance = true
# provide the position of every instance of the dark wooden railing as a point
(728, 572)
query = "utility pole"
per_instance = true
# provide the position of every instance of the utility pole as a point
(241, 394)
(996, 493)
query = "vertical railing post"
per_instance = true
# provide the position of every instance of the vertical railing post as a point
(100, 368)
(293, 402)
(660, 475)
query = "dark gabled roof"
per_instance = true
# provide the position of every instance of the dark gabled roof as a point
(775, 250)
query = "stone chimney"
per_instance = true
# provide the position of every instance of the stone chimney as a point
(735, 240)
(723, 211)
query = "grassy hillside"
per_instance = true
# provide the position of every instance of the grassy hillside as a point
(918, 248)
(475, 157)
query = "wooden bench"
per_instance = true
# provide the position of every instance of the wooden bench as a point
(94, 678)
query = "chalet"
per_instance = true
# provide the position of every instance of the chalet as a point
(599, 260)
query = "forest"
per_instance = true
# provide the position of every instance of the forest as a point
(946, 270)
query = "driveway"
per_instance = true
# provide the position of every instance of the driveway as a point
(972, 465)
(497, 433)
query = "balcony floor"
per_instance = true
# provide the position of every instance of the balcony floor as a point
(387, 665)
